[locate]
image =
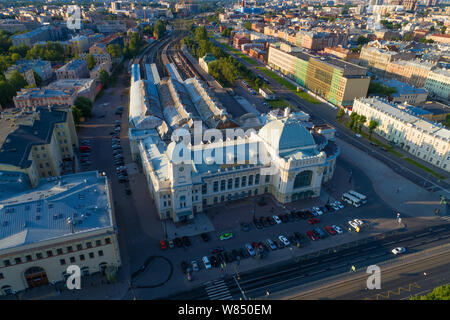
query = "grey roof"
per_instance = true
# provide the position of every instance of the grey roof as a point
(17, 146)
(42, 213)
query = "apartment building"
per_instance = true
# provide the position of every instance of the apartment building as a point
(63, 221)
(406, 93)
(75, 69)
(337, 81)
(60, 92)
(341, 53)
(424, 139)
(413, 72)
(438, 84)
(378, 59)
(26, 68)
(37, 141)
(317, 41)
(79, 44)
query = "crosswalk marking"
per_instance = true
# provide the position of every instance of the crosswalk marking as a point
(217, 290)
(446, 218)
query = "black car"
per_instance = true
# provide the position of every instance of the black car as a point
(123, 179)
(213, 261)
(324, 209)
(220, 258)
(243, 253)
(292, 240)
(184, 266)
(178, 242)
(283, 218)
(290, 217)
(271, 221)
(279, 244)
(296, 216)
(297, 235)
(245, 227)
(258, 225)
(235, 254)
(217, 250)
(228, 257)
(186, 241)
(264, 222)
(127, 190)
(316, 234)
(329, 208)
(204, 237)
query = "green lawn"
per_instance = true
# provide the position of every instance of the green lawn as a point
(279, 103)
(290, 86)
(240, 54)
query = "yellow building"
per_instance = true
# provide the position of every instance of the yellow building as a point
(37, 141)
(64, 221)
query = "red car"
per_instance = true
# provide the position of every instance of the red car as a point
(313, 220)
(163, 244)
(330, 230)
(311, 235)
(85, 148)
(254, 245)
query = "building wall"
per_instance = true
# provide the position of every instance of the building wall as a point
(438, 84)
(427, 146)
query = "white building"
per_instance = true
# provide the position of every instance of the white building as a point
(67, 220)
(422, 138)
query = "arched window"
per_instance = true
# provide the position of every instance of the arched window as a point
(303, 179)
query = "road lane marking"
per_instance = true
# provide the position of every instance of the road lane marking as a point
(422, 234)
(367, 249)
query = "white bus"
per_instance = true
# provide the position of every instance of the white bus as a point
(360, 196)
(351, 200)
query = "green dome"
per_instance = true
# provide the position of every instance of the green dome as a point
(283, 134)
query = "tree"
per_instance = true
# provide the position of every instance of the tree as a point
(114, 50)
(439, 293)
(17, 81)
(90, 61)
(373, 124)
(361, 121)
(353, 120)
(362, 40)
(84, 105)
(159, 29)
(77, 114)
(105, 78)
(201, 34)
(443, 29)
(248, 25)
(340, 114)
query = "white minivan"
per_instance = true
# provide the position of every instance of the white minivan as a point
(206, 262)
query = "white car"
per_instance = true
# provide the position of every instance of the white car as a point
(337, 229)
(339, 204)
(398, 250)
(277, 220)
(206, 262)
(316, 209)
(353, 224)
(195, 266)
(284, 240)
(335, 207)
(358, 135)
(359, 222)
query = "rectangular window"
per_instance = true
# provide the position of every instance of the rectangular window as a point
(216, 186)
(91, 255)
(204, 188)
(244, 182)
(215, 199)
(6, 262)
(100, 253)
(230, 183)
(62, 262)
(88, 245)
(79, 247)
(1, 276)
(18, 260)
(59, 251)
(49, 253)
(38, 255)
(72, 259)
(29, 258)
(98, 242)
(257, 179)
(267, 179)
(236, 182)
(69, 249)
(250, 180)
(81, 257)
(222, 185)
(108, 240)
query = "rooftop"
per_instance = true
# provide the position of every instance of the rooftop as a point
(57, 207)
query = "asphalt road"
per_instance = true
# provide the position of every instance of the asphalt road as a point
(326, 263)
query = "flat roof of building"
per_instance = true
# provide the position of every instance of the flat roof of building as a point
(57, 207)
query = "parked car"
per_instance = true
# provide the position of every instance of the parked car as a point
(330, 230)
(186, 241)
(214, 262)
(271, 244)
(195, 267)
(279, 244)
(290, 217)
(206, 262)
(284, 218)
(171, 244)
(311, 235)
(353, 224)
(276, 219)
(359, 222)
(398, 250)
(337, 229)
(250, 249)
(271, 221)
(258, 224)
(297, 235)
(339, 204)
(204, 237)
(317, 210)
(184, 266)
(178, 242)
(320, 232)
(163, 244)
(264, 222)
(313, 221)
(216, 250)
(245, 227)
(284, 240)
(226, 236)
